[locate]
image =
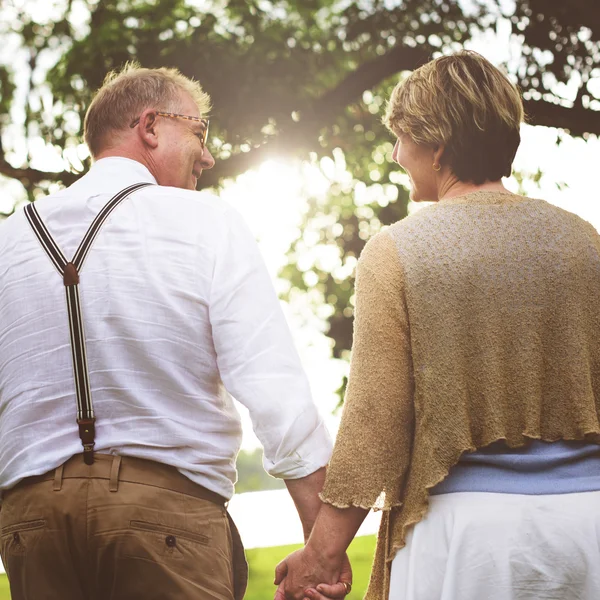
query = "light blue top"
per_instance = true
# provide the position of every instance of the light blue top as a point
(537, 468)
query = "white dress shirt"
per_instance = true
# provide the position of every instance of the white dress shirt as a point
(179, 312)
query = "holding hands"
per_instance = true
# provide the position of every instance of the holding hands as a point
(308, 574)
(321, 570)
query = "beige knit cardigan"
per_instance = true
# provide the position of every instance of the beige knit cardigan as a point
(477, 319)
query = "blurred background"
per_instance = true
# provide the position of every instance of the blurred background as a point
(299, 89)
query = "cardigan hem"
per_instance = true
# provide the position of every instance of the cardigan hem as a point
(379, 585)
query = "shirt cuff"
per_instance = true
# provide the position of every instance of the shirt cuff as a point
(313, 454)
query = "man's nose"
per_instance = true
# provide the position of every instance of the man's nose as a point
(207, 161)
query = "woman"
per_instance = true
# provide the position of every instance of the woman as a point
(472, 409)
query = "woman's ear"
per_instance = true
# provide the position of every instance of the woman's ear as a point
(438, 153)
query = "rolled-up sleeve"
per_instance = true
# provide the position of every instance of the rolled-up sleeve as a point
(257, 360)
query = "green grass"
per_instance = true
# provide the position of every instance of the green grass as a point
(262, 563)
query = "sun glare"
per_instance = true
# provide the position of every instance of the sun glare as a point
(272, 199)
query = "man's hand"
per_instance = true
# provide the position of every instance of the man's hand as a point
(300, 574)
(336, 591)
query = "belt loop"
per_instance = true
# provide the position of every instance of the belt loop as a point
(113, 484)
(58, 476)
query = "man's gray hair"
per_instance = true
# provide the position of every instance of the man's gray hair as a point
(125, 94)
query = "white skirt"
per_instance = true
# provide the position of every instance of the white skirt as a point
(483, 546)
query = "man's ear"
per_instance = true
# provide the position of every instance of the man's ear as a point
(147, 128)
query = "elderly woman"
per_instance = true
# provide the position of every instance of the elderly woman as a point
(472, 410)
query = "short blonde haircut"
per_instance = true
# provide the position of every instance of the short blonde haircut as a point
(467, 104)
(125, 94)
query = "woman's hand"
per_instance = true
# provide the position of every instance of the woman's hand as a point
(306, 569)
(322, 565)
(336, 591)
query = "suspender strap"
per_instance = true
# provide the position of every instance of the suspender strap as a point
(69, 271)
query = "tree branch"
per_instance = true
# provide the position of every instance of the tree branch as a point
(28, 176)
(304, 134)
(577, 120)
(368, 75)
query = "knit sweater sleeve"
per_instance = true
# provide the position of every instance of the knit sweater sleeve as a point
(373, 446)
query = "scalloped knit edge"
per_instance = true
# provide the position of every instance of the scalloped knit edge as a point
(353, 504)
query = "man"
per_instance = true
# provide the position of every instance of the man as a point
(126, 312)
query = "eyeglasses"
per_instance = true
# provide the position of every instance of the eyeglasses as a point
(202, 136)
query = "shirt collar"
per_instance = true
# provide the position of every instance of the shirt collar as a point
(109, 175)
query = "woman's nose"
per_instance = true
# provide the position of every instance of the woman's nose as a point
(395, 152)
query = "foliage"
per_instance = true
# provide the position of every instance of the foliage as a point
(296, 79)
(251, 475)
(287, 77)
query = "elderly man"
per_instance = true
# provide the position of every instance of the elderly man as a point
(131, 306)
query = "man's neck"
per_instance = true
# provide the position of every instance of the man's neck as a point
(121, 152)
(125, 152)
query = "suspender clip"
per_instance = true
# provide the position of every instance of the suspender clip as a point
(87, 433)
(88, 454)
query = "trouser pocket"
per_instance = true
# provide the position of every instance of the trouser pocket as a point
(172, 534)
(20, 538)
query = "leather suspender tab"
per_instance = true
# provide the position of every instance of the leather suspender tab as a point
(70, 276)
(87, 433)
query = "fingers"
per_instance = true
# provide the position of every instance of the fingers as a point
(337, 590)
(329, 592)
(280, 593)
(280, 572)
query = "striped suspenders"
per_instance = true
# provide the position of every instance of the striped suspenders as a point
(69, 271)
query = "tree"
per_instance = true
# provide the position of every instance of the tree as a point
(305, 79)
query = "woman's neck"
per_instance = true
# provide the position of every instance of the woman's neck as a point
(462, 188)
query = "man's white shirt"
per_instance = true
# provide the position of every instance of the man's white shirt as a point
(179, 312)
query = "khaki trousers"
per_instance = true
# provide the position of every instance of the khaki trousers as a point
(120, 529)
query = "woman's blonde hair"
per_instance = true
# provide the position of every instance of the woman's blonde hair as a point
(467, 104)
(125, 94)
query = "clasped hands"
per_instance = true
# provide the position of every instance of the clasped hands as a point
(307, 574)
